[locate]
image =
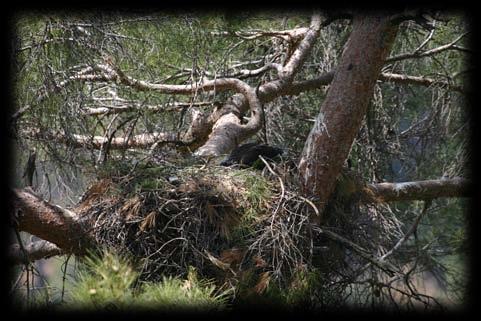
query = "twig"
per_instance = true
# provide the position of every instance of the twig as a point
(283, 191)
(413, 228)
(385, 266)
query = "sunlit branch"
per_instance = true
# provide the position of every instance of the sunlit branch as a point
(417, 190)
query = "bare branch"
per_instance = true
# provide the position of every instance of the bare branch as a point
(32, 252)
(302, 51)
(96, 142)
(427, 53)
(385, 266)
(288, 35)
(411, 230)
(418, 190)
(82, 76)
(326, 78)
(418, 80)
(121, 106)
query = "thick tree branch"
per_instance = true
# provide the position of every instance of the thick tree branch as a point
(270, 91)
(60, 226)
(228, 130)
(227, 124)
(296, 60)
(97, 142)
(417, 190)
(224, 136)
(325, 79)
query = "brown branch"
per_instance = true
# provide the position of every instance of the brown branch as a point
(417, 190)
(228, 130)
(228, 123)
(270, 91)
(32, 252)
(62, 227)
(326, 78)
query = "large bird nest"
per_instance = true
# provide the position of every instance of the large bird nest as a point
(228, 223)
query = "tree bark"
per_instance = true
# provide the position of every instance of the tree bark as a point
(32, 214)
(225, 133)
(418, 190)
(341, 114)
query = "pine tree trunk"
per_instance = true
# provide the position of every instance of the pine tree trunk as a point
(341, 114)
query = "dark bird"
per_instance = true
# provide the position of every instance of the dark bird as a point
(248, 155)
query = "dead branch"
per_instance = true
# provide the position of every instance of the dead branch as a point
(298, 57)
(411, 230)
(120, 105)
(385, 266)
(287, 35)
(81, 76)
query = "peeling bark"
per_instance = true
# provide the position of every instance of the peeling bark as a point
(341, 114)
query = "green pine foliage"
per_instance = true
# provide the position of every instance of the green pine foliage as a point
(109, 281)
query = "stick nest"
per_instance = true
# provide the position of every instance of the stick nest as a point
(227, 223)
